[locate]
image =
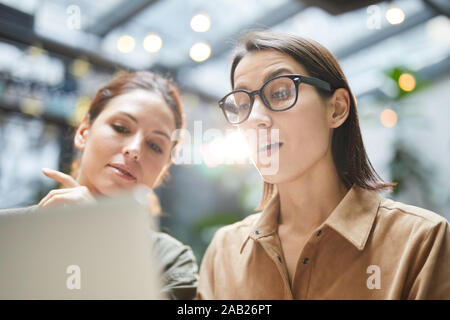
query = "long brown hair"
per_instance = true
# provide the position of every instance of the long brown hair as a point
(349, 155)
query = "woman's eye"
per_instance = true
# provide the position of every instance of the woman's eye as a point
(280, 94)
(231, 108)
(244, 107)
(124, 130)
(120, 129)
(155, 147)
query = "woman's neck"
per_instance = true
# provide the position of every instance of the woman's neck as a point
(306, 202)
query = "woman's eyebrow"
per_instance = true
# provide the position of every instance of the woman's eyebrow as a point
(135, 120)
(276, 73)
(129, 115)
(268, 77)
(162, 134)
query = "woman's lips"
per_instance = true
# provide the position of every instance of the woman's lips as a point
(121, 173)
(268, 149)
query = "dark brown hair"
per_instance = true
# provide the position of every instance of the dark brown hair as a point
(349, 155)
(141, 80)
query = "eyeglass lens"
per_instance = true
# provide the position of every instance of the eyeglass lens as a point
(278, 93)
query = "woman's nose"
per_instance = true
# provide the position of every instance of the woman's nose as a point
(259, 116)
(132, 154)
(132, 150)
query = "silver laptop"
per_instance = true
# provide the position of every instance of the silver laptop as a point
(100, 251)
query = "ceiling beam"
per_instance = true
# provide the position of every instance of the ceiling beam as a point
(268, 20)
(385, 33)
(16, 28)
(16, 36)
(342, 6)
(222, 45)
(372, 39)
(431, 73)
(117, 16)
(276, 16)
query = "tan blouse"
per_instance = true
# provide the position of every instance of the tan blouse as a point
(369, 247)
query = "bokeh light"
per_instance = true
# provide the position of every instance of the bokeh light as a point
(82, 106)
(32, 107)
(200, 52)
(230, 149)
(36, 50)
(388, 118)
(200, 22)
(152, 43)
(438, 31)
(79, 67)
(407, 82)
(395, 15)
(126, 44)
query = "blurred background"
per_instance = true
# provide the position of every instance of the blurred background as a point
(55, 54)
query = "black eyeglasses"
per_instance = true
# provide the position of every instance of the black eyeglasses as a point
(277, 94)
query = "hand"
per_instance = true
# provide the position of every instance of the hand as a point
(73, 192)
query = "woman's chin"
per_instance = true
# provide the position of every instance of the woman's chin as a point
(269, 172)
(270, 178)
(111, 190)
(278, 176)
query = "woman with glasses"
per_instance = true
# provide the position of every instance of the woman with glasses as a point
(324, 231)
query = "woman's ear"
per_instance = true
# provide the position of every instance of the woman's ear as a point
(81, 135)
(339, 108)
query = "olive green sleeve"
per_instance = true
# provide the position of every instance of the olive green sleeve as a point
(178, 267)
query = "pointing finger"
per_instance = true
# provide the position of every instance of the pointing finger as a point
(66, 180)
